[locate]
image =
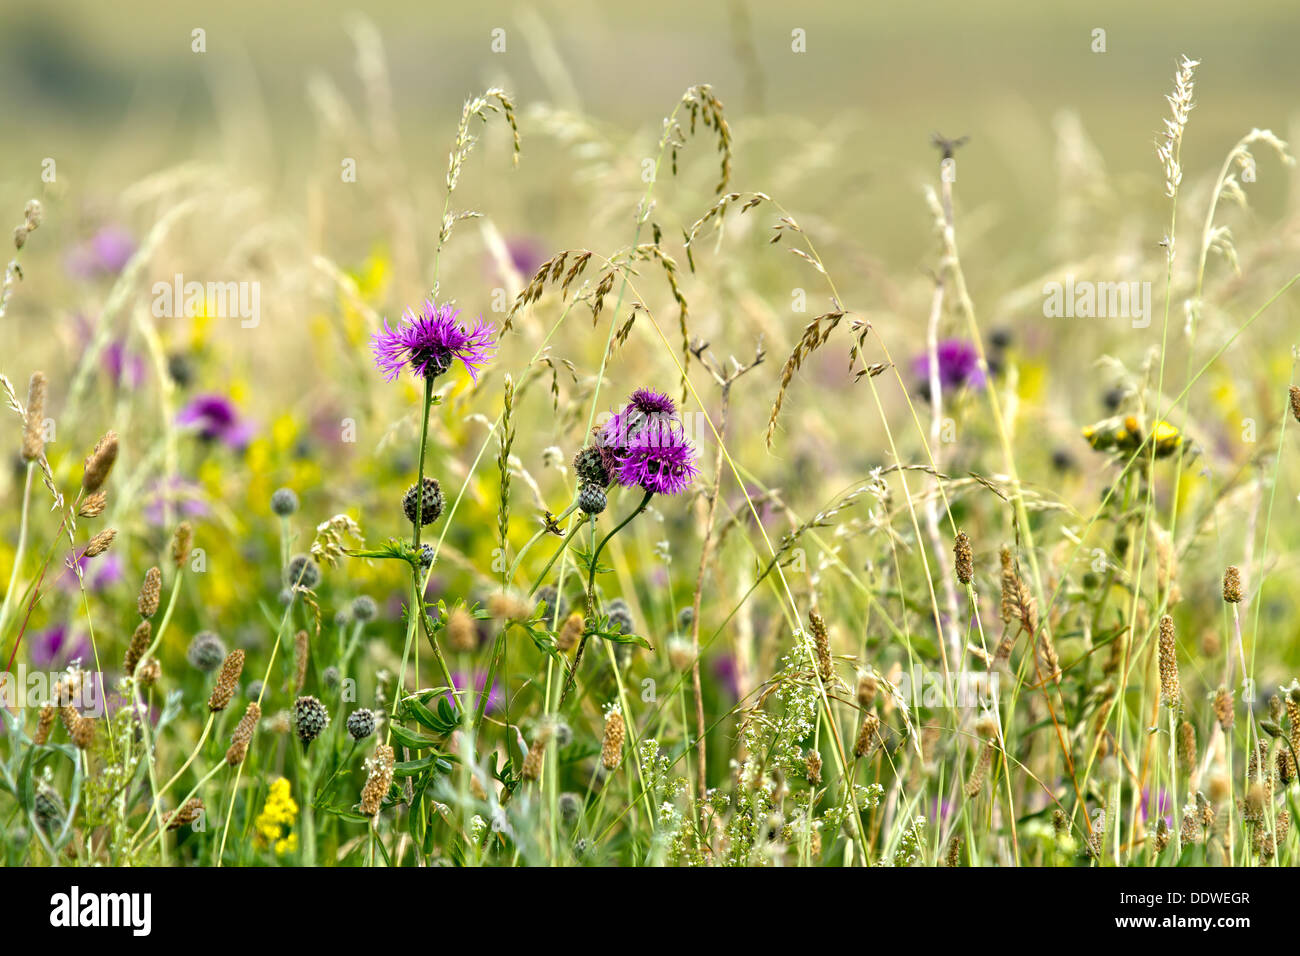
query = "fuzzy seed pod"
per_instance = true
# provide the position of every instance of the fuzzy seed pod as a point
(100, 543)
(1223, 712)
(309, 718)
(813, 767)
(867, 688)
(424, 508)
(34, 424)
(1220, 788)
(206, 652)
(243, 734)
(181, 541)
(1169, 688)
(147, 603)
(379, 780)
(301, 653)
(80, 729)
(592, 499)
(462, 634)
(100, 463)
(1187, 744)
(979, 773)
(1232, 585)
(952, 859)
(536, 756)
(508, 606)
(1295, 401)
(570, 633)
(361, 723)
(150, 672)
(92, 506)
(186, 814)
(681, 654)
(963, 558)
(139, 644)
(867, 736)
(45, 724)
(611, 746)
(227, 682)
(822, 643)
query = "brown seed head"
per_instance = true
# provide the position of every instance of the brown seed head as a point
(822, 643)
(1232, 585)
(379, 781)
(243, 734)
(100, 462)
(92, 506)
(867, 688)
(536, 757)
(570, 633)
(1223, 708)
(45, 724)
(462, 634)
(867, 736)
(100, 543)
(1295, 401)
(187, 813)
(227, 682)
(181, 542)
(139, 644)
(964, 560)
(1169, 688)
(150, 672)
(80, 729)
(1187, 744)
(34, 424)
(611, 747)
(814, 767)
(301, 652)
(147, 603)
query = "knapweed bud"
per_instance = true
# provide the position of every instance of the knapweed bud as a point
(206, 652)
(364, 607)
(423, 508)
(302, 572)
(589, 466)
(283, 502)
(361, 723)
(309, 718)
(592, 499)
(100, 463)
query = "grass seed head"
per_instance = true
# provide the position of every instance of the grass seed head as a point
(227, 682)
(100, 463)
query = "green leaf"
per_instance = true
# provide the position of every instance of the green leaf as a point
(409, 738)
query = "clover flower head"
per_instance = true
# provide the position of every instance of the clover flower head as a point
(429, 341)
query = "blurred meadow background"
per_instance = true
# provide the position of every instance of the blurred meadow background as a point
(151, 160)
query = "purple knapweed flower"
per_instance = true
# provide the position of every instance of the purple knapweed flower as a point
(124, 368)
(105, 253)
(429, 341)
(459, 680)
(959, 366)
(217, 419)
(645, 445)
(99, 574)
(55, 648)
(526, 254)
(186, 498)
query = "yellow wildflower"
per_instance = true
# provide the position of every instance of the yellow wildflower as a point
(277, 816)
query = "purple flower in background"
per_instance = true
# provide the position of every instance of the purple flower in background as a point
(958, 366)
(105, 253)
(98, 573)
(217, 419)
(459, 681)
(186, 498)
(55, 648)
(645, 445)
(429, 341)
(724, 671)
(123, 367)
(526, 255)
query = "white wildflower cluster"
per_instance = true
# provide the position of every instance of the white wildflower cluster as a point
(911, 843)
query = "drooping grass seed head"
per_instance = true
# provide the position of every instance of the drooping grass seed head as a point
(206, 652)
(361, 723)
(284, 502)
(100, 463)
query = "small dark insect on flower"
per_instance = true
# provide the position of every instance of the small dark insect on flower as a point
(423, 508)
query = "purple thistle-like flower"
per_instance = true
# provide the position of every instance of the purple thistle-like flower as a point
(105, 253)
(56, 648)
(959, 366)
(645, 446)
(217, 420)
(429, 341)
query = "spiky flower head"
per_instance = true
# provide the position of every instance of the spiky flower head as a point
(592, 499)
(424, 507)
(620, 616)
(645, 445)
(302, 572)
(361, 723)
(284, 502)
(364, 607)
(206, 651)
(589, 466)
(309, 718)
(429, 341)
